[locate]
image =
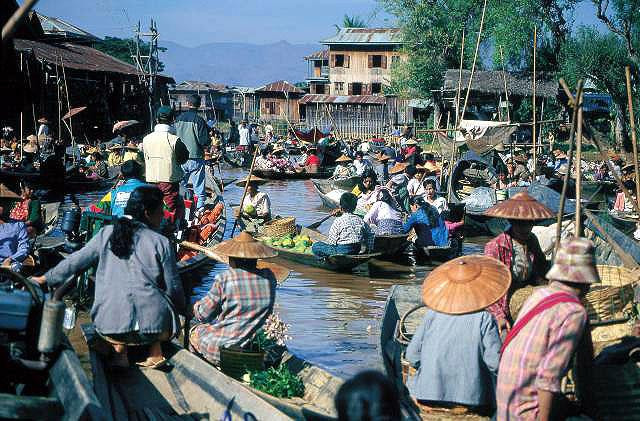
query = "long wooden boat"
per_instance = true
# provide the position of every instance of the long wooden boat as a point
(279, 175)
(393, 343)
(80, 185)
(336, 263)
(624, 222)
(347, 183)
(323, 189)
(390, 245)
(236, 159)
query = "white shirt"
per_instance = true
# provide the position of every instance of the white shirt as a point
(244, 136)
(440, 203)
(260, 203)
(379, 211)
(43, 130)
(361, 165)
(415, 187)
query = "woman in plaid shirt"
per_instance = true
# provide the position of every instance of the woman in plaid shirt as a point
(239, 302)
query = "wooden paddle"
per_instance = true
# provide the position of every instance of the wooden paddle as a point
(281, 273)
(317, 224)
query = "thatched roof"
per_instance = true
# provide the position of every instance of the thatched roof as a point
(492, 82)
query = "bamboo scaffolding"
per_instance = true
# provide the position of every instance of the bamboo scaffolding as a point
(634, 140)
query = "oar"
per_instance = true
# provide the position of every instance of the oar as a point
(281, 273)
(317, 224)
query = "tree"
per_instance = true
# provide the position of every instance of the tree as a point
(123, 49)
(351, 22)
(623, 20)
(600, 58)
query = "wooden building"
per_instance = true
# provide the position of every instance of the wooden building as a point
(246, 106)
(360, 59)
(216, 100)
(318, 73)
(279, 101)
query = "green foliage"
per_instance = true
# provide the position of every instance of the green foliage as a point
(260, 342)
(278, 382)
(352, 22)
(123, 49)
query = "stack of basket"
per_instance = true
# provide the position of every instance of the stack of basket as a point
(280, 227)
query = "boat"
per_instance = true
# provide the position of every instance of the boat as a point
(390, 245)
(347, 183)
(38, 383)
(83, 184)
(400, 319)
(280, 175)
(236, 159)
(623, 221)
(323, 190)
(336, 263)
(312, 135)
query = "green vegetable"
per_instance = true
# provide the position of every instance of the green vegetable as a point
(278, 382)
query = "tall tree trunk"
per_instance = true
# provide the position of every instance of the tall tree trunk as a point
(621, 136)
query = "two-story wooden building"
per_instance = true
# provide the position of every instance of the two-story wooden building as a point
(279, 101)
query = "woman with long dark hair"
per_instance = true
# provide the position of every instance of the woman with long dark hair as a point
(138, 292)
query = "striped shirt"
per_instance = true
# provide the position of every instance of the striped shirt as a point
(350, 229)
(237, 305)
(538, 357)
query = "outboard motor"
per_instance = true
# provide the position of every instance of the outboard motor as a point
(70, 226)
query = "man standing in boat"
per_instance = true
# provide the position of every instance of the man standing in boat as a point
(193, 132)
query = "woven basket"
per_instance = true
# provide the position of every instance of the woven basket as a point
(235, 362)
(280, 227)
(606, 300)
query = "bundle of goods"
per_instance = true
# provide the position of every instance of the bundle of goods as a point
(202, 230)
(298, 244)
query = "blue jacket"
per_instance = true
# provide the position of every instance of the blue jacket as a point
(120, 196)
(14, 241)
(429, 226)
(194, 133)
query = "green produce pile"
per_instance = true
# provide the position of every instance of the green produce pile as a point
(299, 243)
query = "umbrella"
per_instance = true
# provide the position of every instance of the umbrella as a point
(73, 112)
(122, 124)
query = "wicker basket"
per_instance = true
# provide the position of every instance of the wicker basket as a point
(235, 361)
(606, 300)
(280, 227)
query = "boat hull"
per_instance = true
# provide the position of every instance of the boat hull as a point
(277, 175)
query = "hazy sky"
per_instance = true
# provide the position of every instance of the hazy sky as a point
(196, 22)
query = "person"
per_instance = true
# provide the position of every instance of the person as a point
(304, 154)
(414, 185)
(347, 234)
(557, 181)
(43, 129)
(132, 152)
(518, 248)
(27, 209)
(365, 186)
(115, 156)
(551, 323)
(29, 152)
(384, 161)
(623, 203)
(398, 185)
(521, 175)
(234, 134)
(428, 224)
(361, 165)
(430, 196)
(560, 158)
(368, 396)
(256, 207)
(193, 132)
(262, 160)
(312, 163)
(385, 214)
(138, 291)
(501, 182)
(456, 347)
(164, 153)
(409, 152)
(132, 174)
(239, 301)
(99, 169)
(343, 170)
(14, 244)
(244, 136)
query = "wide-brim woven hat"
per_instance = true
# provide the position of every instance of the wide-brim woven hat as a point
(115, 148)
(411, 142)
(575, 262)
(132, 146)
(344, 158)
(43, 120)
(431, 166)
(522, 207)
(466, 284)
(7, 193)
(30, 148)
(253, 179)
(398, 168)
(244, 246)
(32, 138)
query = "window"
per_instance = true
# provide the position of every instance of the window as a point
(319, 88)
(338, 87)
(376, 88)
(271, 107)
(377, 61)
(340, 60)
(395, 60)
(355, 89)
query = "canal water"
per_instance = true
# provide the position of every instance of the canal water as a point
(334, 318)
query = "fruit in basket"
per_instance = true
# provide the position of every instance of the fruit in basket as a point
(249, 209)
(288, 243)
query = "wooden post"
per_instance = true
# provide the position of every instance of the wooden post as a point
(475, 58)
(533, 136)
(506, 92)
(579, 229)
(634, 140)
(244, 193)
(459, 90)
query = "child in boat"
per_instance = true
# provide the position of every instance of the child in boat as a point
(456, 348)
(138, 291)
(239, 301)
(368, 396)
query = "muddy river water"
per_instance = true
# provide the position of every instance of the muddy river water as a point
(334, 318)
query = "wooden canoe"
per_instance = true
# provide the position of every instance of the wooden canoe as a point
(336, 263)
(347, 183)
(624, 222)
(278, 175)
(322, 189)
(390, 245)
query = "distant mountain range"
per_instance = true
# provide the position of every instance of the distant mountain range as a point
(237, 64)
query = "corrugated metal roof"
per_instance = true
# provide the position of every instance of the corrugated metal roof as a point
(365, 36)
(196, 85)
(318, 55)
(76, 56)
(492, 82)
(342, 99)
(57, 26)
(280, 86)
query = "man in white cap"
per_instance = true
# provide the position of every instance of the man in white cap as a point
(537, 351)
(43, 129)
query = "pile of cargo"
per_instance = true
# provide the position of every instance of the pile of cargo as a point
(298, 244)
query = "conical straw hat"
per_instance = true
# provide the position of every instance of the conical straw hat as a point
(254, 179)
(7, 193)
(344, 158)
(466, 284)
(521, 206)
(244, 246)
(398, 168)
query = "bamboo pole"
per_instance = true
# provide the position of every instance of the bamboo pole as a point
(563, 196)
(579, 228)
(244, 192)
(634, 140)
(504, 77)
(533, 99)
(459, 90)
(475, 58)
